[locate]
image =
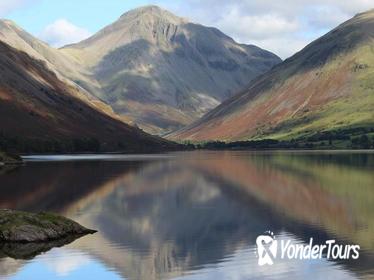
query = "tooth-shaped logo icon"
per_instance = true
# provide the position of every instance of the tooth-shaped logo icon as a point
(266, 249)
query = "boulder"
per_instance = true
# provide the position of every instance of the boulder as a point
(18, 226)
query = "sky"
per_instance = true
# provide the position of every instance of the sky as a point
(283, 27)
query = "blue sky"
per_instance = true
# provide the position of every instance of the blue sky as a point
(283, 27)
(35, 15)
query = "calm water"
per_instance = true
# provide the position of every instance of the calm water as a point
(195, 215)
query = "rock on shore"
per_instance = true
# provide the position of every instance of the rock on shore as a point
(17, 226)
(9, 159)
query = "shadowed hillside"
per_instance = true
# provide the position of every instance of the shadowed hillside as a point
(41, 113)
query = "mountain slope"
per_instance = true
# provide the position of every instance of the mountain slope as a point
(40, 112)
(164, 72)
(18, 38)
(65, 68)
(328, 87)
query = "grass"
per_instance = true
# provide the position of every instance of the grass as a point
(355, 110)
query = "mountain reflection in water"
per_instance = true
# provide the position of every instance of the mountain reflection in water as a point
(197, 215)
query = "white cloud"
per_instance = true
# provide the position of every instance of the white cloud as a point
(283, 27)
(63, 261)
(62, 32)
(324, 17)
(257, 26)
(283, 47)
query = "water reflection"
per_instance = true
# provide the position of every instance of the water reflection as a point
(197, 215)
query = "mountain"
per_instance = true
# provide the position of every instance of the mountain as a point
(18, 38)
(54, 60)
(161, 71)
(324, 91)
(42, 113)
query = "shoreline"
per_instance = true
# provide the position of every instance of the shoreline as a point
(23, 155)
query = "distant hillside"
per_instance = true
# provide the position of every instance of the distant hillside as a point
(162, 72)
(42, 113)
(326, 91)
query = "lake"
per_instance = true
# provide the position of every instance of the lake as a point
(195, 215)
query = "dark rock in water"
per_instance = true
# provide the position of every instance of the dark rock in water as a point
(29, 250)
(7, 159)
(17, 226)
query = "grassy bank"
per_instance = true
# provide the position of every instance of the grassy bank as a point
(355, 138)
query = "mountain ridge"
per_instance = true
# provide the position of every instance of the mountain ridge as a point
(302, 95)
(62, 66)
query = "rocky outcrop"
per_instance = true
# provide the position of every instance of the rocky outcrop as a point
(6, 159)
(23, 227)
(29, 250)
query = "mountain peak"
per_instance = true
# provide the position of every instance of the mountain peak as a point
(151, 11)
(8, 23)
(367, 13)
